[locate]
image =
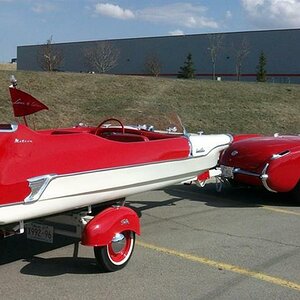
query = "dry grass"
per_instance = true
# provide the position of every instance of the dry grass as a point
(213, 107)
(8, 67)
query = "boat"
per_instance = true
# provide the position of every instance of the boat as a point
(52, 171)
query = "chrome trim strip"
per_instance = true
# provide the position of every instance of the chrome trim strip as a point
(243, 172)
(264, 177)
(14, 128)
(279, 155)
(35, 195)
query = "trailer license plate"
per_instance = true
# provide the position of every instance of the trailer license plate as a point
(227, 171)
(39, 232)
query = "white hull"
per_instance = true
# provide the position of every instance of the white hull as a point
(72, 191)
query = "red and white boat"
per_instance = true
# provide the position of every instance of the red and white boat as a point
(48, 172)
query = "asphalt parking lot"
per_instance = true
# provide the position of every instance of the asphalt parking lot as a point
(195, 244)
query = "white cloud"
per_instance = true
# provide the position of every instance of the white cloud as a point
(114, 11)
(228, 14)
(43, 7)
(176, 32)
(275, 13)
(183, 14)
(180, 14)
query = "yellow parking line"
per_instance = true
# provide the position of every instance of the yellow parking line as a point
(224, 266)
(285, 211)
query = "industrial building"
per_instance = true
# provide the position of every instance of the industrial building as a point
(281, 49)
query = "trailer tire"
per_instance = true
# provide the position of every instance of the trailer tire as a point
(117, 253)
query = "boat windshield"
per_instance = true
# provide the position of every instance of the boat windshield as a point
(166, 123)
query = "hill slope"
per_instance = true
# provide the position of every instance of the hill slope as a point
(214, 107)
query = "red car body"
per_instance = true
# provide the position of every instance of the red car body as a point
(269, 161)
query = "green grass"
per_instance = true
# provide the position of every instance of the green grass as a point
(213, 107)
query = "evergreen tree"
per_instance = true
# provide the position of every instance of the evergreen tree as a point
(188, 70)
(261, 75)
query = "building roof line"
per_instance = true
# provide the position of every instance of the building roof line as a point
(167, 36)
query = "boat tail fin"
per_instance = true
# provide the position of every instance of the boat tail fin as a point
(24, 104)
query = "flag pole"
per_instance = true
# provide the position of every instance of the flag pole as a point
(25, 121)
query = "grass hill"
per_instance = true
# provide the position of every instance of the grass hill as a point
(8, 66)
(213, 107)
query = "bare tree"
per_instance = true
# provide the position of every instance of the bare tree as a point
(153, 64)
(215, 44)
(241, 53)
(49, 57)
(102, 57)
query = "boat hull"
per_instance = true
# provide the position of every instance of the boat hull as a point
(73, 191)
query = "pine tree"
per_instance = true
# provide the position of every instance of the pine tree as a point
(261, 75)
(188, 70)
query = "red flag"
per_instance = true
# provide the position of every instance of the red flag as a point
(23, 103)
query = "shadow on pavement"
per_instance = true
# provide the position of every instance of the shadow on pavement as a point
(48, 267)
(20, 248)
(228, 197)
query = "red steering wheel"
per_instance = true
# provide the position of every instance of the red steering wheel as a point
(110, 119)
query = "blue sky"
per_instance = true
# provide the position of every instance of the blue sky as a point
(28, 22)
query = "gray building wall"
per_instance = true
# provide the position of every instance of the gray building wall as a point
(281, 49)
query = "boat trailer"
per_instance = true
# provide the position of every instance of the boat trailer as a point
(109, 229)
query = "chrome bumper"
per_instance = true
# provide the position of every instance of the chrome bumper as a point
(263, 176)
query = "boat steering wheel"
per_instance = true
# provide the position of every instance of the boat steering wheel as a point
(110, 119)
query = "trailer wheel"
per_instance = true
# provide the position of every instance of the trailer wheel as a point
(116, 254)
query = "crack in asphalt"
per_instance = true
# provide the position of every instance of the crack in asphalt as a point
(212, 231)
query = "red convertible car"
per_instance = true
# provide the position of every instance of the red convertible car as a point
(269, 161)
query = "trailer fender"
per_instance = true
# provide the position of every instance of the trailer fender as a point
(105, 225)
